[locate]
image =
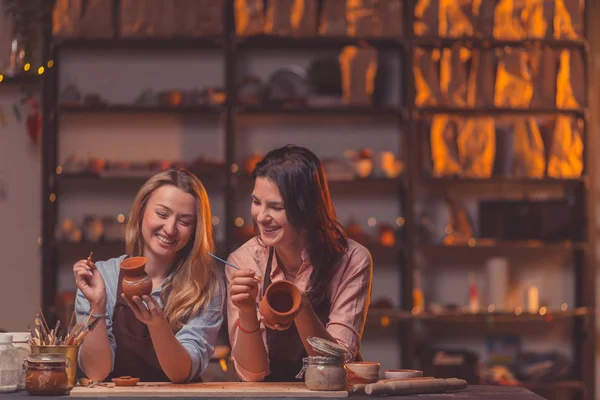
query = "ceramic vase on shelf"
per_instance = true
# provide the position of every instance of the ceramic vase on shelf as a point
(281, 303)
(135, 280)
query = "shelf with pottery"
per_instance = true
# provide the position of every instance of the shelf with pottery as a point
(502, 180)
(504, 245)
(496, 111)
(491, 42)
(347, 111)
(384, 316)
(261, 42)
(141, 43)
(200, 111)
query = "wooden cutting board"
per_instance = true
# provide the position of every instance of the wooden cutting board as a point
(210, 389)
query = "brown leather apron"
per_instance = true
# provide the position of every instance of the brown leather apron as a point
(286, 350)
(134, 355)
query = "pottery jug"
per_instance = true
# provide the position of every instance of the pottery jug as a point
(135, 280)
(281, 303)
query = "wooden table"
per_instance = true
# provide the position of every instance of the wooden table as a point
(470, 393)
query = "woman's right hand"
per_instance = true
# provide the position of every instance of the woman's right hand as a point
(91, 284)
(243, 288)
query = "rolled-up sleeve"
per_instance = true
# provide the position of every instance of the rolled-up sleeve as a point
(200, 334)
(233, 316)
(350, 301)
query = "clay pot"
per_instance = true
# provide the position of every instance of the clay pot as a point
(281, 303)
(135, 280)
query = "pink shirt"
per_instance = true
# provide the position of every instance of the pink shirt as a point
(349, 293)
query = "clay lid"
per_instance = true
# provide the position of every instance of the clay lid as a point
(326, 347)
(125, 381)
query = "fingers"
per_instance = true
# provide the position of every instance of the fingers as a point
(82, 264)
(135, 307)
(247, 281)
(238, 298)
(243, 273)
(238, 289)
(153, 306)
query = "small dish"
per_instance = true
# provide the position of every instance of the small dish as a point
(402, 373)
(125, 381)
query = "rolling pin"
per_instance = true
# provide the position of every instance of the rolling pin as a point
(360, 387)
(415, 386)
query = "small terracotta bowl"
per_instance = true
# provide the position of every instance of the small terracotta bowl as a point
(402, 373)
(125, 381)
(362, 372)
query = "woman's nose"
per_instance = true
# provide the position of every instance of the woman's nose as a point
(262, 215)
(171, 226)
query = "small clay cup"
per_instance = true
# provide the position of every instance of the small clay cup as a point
(135, 280)
(402, 373)
(281, 303)
(362, 372)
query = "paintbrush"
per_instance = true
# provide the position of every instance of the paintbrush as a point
(226, 263)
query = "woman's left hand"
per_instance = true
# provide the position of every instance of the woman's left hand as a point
(151, 314)
(303, 304)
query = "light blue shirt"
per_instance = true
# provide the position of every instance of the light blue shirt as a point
(198, 336)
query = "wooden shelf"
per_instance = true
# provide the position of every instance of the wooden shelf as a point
(183, 43)
(516, 244)
(458, 317)
(215, 175)
(496, 111)
(477, 42)
(203, 111)
(315, 42)
(349, 111)
(501, 180)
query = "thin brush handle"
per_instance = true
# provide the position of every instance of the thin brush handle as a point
(220, 259)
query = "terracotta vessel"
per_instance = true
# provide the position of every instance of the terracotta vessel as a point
(281, 303)
(362, 372)
(135, 280)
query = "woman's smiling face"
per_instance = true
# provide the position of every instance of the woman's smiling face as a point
(169, 221)
(268, 211)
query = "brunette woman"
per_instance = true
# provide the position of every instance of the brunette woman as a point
(299, 240)
(171, 334)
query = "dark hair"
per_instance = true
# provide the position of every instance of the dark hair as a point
(299, 175)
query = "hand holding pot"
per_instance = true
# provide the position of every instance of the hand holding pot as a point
(91, 283)
(243, 289)
(280, 305)
(151, 314)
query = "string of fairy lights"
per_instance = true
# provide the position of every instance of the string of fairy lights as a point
(27, 69)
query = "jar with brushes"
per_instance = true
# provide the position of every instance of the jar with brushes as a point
(46, 374)
(326, 372)
(21, 342)
(10, 366)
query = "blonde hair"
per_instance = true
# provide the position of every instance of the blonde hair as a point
(195, 272)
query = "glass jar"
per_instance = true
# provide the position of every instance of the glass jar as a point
(46, 375)
(21, 343)
(9, 364)
(324, 373)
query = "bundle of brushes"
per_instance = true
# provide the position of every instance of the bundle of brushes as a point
(42, 335)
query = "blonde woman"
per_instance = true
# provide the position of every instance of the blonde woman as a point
(170, 335)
